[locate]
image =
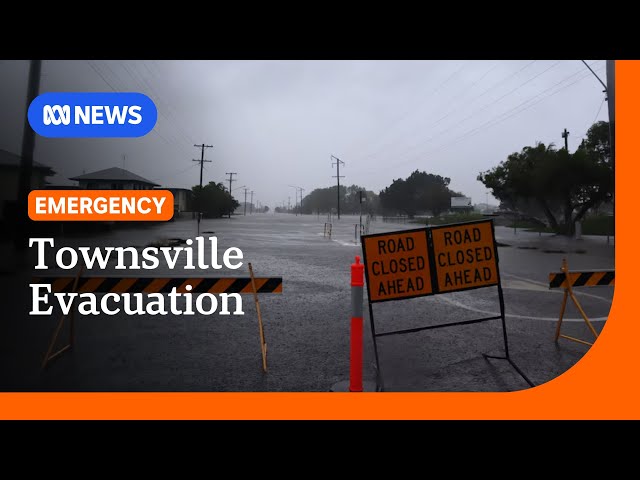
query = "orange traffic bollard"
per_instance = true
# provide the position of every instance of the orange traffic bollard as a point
(357, 284)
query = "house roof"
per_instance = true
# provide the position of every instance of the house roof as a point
(113, 173)
(8, 159)
(173, 189)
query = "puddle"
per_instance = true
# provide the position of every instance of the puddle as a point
(167, 242)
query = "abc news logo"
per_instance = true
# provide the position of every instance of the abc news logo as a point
(91, 115)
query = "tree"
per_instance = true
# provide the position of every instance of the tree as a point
(561, 185)
(213, 200)
(323, 200)
(597, 142)
(419, 192)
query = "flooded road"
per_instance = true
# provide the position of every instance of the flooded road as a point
(307, 326)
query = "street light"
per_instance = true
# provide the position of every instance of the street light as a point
(363, 198)
(231, 194)
(296, 202)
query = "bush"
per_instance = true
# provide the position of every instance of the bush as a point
(598, 225)
(451, 218)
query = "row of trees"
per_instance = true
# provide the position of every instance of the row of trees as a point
(540, 181)
(555, 185)
(421, 192)
(324, 200)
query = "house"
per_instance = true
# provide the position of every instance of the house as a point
(182, 199)
(9, 180)
(113, 179)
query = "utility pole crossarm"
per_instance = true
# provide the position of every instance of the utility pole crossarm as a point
(202, 160)
(231, 174)
(565, 135)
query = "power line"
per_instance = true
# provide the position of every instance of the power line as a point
(435, 124)
(174, 140)
(487, 90)
(497, 120)
(508, 113)
(94, 67)
(599, 109)
(501, 117)
(179, 172)
(161, 110)
(586, 130)
(169, 110)
(414, 105)
(466, 90)
(490, 104)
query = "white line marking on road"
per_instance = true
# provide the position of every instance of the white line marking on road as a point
(513, 315)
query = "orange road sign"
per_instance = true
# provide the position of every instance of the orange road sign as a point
(464, 256)
(397, 265)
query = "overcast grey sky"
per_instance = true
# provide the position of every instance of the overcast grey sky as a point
(276, 123)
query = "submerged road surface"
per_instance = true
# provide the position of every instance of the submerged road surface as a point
(307, 326)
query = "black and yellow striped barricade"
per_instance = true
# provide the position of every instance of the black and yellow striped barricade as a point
(194, 285)
(568, 280)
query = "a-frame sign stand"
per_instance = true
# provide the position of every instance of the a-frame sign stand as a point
(430, 261)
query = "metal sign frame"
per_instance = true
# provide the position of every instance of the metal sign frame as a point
(435, 290)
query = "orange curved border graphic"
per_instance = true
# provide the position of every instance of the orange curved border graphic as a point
(602, 385)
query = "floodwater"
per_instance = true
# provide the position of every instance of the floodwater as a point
(307, 326)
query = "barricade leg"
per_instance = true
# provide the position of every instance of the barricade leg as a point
(584, 315)
(50, 355)
(263, 343)
(568, 292)
(562, 308)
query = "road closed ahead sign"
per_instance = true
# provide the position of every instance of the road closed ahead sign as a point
(465, 256)
(397, 265)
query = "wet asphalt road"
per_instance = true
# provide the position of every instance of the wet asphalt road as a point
(307, 326)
